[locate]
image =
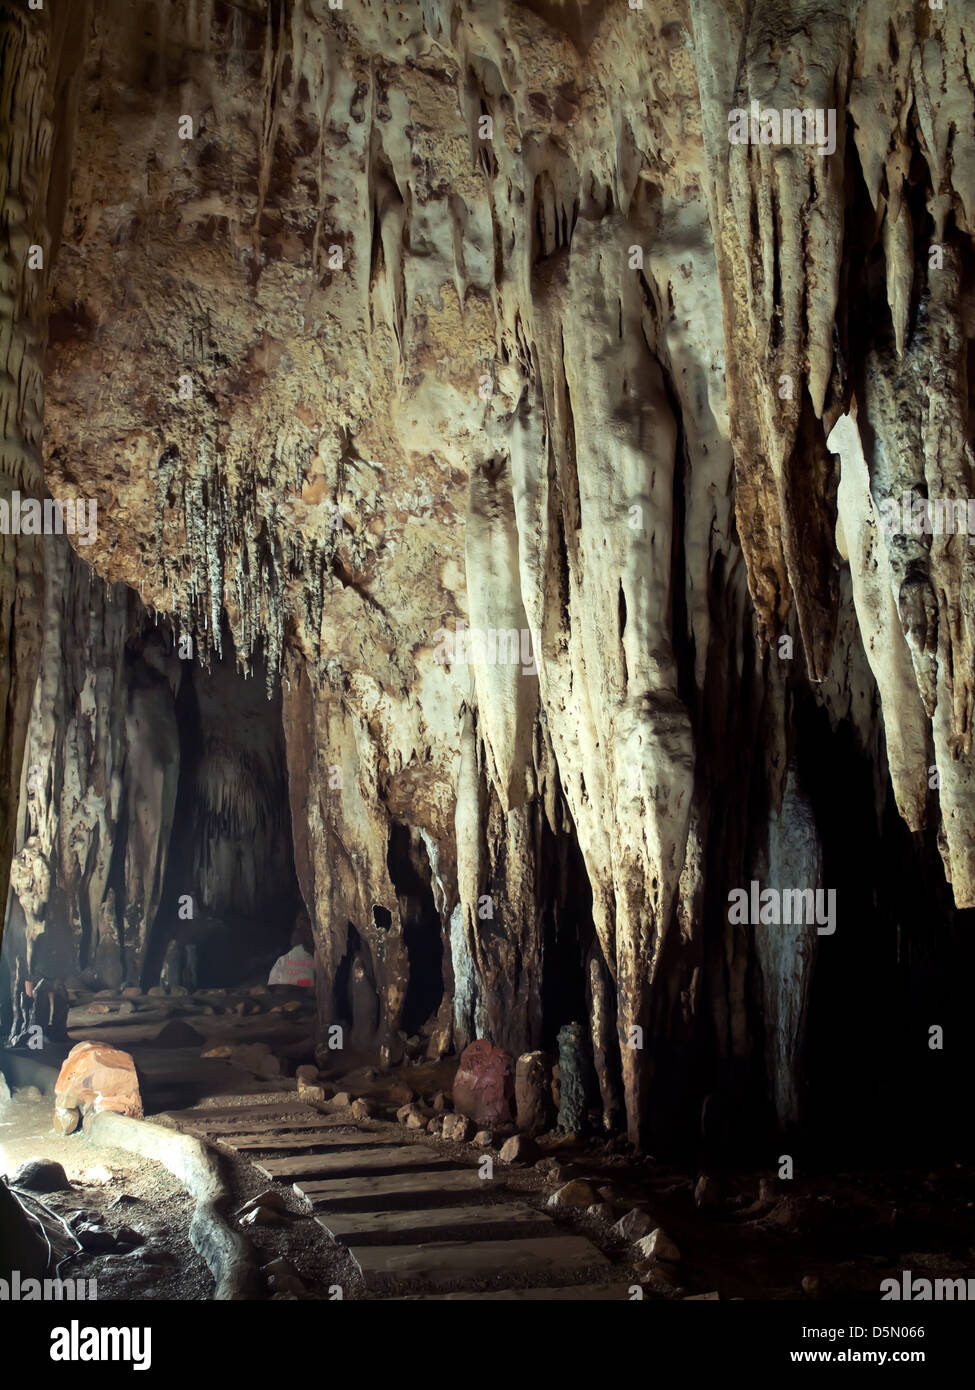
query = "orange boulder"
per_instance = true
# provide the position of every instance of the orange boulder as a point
(96, 1077)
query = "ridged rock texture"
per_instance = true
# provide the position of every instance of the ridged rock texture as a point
(474, 315)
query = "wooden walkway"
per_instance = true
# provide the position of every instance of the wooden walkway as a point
(418, 1224)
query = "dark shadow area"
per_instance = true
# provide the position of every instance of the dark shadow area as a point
(230, 893)
(409, 869)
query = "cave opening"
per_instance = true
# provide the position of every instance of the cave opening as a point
(894, 970)
(230, 904)
(568, 930)
(409, 871)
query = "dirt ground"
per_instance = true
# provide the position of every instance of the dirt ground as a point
(121, 1189)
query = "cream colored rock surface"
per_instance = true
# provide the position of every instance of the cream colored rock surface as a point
(476, 317)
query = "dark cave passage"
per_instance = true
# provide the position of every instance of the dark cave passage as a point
(409, 870)
(230, 895)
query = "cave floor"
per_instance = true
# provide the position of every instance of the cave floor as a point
(416, 1214)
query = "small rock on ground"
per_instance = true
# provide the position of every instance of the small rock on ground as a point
(578, 1194)
(41, 1175)
(658, 1244)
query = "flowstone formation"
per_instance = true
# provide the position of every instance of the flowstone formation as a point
(451, 374)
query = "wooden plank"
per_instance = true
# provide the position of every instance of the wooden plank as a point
(575, 1293)
(439, 1262)
(350, 1226)
(290, 1108)
(349, 1162)
(246, 1125)
(307, 1139)
(418, 1189)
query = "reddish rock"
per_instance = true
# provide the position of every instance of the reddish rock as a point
(96, 1077)
(484, 1086)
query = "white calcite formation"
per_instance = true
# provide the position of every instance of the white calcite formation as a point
(475, 315)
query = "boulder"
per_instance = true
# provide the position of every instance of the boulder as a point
(519, 1149)
(66, 1121)
(261, 1216)
(96, 1239)
(457, 1128)
(533, 1093)
(577, 1193)
(484, 1086)
(312, 1095)
(412, 1116)
(270, 1197)
(601, 1212)
(659, 1245)
(633, 1226)
(41, 1175)
(96, 1077)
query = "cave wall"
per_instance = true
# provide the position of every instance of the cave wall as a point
(371, 356)
(153, 804)
(98, 786)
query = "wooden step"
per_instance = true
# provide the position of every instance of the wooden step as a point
(576, 1293)
(288, 1123)
(388, 1190)
(435, 1263)
(349, 1227)
(254, 1115)
(306, 1140)
(390, 1158)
